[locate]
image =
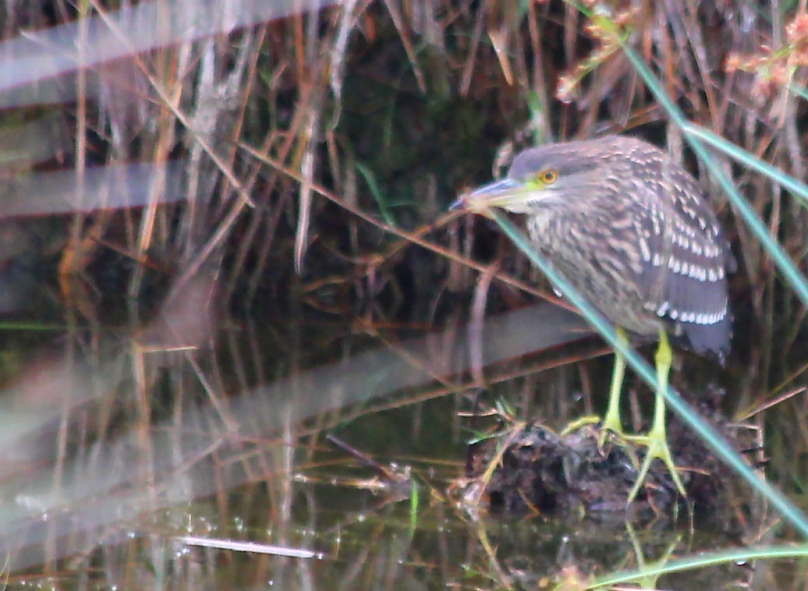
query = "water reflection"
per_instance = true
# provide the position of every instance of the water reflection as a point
(174, 430)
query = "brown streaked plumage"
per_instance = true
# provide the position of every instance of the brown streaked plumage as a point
(630, 229)
(633, 233)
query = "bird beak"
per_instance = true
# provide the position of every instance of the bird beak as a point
(505, 194)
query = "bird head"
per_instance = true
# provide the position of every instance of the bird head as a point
(555, 175)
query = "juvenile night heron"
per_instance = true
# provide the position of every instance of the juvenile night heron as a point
(629, 229)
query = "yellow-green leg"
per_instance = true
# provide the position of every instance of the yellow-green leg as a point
(611, 422)
(657, 440)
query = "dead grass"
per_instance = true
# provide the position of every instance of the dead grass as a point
(320, 151)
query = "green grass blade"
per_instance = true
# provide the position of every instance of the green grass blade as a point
(414, 504)
(735, 555)
(378, 195)
(797, 188)
(773, 248)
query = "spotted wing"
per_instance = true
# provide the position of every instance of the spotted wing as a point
(684, 255)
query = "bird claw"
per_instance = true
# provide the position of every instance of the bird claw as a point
(606, 426)
(578, 423)
(655, 443)
(657, 449)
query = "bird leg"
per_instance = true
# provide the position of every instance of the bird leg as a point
(612, 422)
(656, 439)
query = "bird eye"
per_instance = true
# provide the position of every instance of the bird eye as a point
(548, 176)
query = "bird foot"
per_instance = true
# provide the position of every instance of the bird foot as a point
(611, 424)
(607, 426)
(657, 449)
(578, 423)
(655, 443)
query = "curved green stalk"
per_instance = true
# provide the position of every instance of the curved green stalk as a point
(703, 560)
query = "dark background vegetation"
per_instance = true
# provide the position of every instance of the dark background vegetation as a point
(313, 159)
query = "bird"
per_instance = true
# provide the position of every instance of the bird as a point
(630, 229)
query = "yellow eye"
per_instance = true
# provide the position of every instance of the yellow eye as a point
(548, 177)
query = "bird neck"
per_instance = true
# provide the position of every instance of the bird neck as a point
(547, 225)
